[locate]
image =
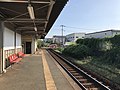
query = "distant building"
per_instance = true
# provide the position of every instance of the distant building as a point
(59, 39)
(74, 36)
(103, 34)
(48, 40)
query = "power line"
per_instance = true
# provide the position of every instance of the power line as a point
(78, 28)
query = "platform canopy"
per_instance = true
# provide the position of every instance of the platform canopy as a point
(31, 17)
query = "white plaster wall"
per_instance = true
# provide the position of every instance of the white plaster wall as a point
(8, 39)
(8, 43)
(18, 40)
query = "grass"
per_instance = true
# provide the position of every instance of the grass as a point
(104, 69)
(59, 49)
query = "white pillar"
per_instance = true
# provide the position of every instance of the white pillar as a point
(34, 45)
(2, 59)
(1, 47)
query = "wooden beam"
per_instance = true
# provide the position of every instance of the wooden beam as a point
(24, 28)
(25, 20)
(49, 11)
(21, 1)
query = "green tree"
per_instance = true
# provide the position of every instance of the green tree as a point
(40, 43)
(76, 51)
(92, 43)
(112, 56)
(115, 41)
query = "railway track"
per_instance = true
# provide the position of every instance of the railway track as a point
(84, 80)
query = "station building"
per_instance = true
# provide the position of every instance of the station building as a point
(22, 22)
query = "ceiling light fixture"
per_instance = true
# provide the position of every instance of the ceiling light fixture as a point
(35, 28)
(31, 11)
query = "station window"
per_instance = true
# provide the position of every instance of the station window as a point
(76, 36)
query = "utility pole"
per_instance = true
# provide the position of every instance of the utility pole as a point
(62, 35)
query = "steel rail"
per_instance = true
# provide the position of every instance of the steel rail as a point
(83, 88)
(79, 70)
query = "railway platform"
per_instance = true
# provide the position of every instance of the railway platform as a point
(37, 72)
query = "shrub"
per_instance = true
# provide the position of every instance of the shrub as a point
(93, 44)
(81, 51)
(112, 56)
(77, 51)
(115, 41)
(68, 50)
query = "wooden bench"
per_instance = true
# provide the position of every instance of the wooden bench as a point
(14, 58)
(20, 54)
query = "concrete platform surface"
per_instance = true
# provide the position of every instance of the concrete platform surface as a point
(35, 72)
(26, 75)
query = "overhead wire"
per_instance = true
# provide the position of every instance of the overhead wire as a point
(77, 27)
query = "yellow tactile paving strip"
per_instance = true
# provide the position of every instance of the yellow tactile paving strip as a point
(50, 85)
(71, 81)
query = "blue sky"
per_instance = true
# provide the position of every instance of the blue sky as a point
(88, 16)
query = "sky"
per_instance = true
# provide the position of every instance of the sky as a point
(87, 16)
